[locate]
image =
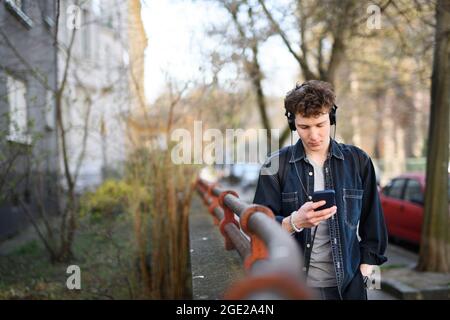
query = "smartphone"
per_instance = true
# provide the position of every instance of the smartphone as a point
(327, 195)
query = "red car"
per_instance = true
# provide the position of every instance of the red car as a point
(402, 200)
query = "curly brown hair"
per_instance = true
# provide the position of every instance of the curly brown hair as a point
(311, 99)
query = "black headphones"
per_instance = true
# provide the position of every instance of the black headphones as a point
(291, 117)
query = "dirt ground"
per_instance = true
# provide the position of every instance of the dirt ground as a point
(103, 250)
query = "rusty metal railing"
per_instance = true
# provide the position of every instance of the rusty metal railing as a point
(272, 258)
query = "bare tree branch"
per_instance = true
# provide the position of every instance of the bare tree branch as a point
(308, 74)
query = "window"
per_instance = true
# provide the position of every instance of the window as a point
(110, 21)
(18, 9)
(97, 7)
(18, 4)
(17, 110)
(395, 189)
(47, 13)
(108, 63)
(413, 192)
(50, 110)
(86, 34)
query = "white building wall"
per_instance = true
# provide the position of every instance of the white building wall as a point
(98, 86)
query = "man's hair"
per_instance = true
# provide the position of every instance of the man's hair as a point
(311, 99)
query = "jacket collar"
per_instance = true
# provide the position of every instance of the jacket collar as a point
(299, 151)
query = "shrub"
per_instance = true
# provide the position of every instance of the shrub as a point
(109, 200)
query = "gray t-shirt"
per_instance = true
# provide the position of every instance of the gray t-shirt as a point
(321, 269)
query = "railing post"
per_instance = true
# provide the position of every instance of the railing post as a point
(277, 276)
(259, 249)
(228, 217)
(277, 283)
(214, 202)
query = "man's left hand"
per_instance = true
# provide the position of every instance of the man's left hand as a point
(366, 269)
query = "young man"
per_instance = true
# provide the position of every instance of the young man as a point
(336, 262)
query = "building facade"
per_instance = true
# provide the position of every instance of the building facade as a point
(85, 60)
(28, 80)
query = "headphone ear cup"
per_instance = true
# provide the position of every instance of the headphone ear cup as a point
(333, 115)
(291, 121)
(292, 124)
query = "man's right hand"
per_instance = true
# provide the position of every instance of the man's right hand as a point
(306, 217)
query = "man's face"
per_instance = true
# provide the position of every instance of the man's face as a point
(314, 131)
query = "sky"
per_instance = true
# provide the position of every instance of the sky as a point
(177, 45)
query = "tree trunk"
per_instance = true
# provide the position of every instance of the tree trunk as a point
(256, 77)
(378, 146)
(435, 246)
(253, 68)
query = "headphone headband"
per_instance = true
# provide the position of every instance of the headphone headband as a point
(291, 117)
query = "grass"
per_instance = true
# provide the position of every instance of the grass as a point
(104, 252)
(29, 248)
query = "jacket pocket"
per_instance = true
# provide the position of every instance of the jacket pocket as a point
(352, 206)
(289, 202)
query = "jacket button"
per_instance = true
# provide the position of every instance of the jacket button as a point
(308, 245)
(310, 173)
(309, 197)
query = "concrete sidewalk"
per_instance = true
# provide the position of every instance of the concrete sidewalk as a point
(399, 277)
(214, 269)
(397, 257)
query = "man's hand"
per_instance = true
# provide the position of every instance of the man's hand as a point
(306, 217)
(366, 270)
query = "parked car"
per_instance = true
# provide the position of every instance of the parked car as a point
(250, 176)
(245, 174)
(402, 200)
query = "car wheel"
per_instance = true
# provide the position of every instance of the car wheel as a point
(393, 239)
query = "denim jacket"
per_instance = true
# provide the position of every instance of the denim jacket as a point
(350, 172)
